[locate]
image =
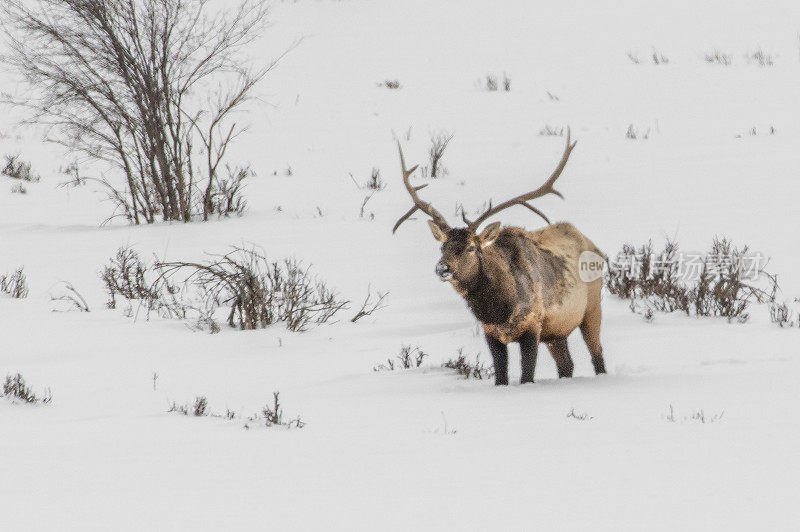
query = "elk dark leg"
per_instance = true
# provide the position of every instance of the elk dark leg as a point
(528, 345)
(560, 351)
(500, 356)
(590, 328)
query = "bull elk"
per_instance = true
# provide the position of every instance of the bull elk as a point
(523, 286)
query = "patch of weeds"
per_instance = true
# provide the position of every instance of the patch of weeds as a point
(200, 405)
(439, 143)
(548, 131)
(257, 292)
(633, 134)
(390, 84)
(272, 415)
(580, 416)
(16, 168)
(14, 284)
(15, 388)
(717, 57)
(445, 429)
(724, 282)
(465, 368)
(634, 58)
(695, 416)
(761, 58)
(506, 82)
(19, 189)
(407, 359)
(658, 58)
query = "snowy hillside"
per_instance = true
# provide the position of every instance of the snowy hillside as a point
(695, 426)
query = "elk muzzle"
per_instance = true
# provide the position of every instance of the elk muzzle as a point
(443, 271)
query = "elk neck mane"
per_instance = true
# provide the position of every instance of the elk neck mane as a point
(506, 270)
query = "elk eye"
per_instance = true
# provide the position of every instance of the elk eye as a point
(470, 249)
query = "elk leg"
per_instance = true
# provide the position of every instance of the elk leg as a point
(500, 356)
(560, 351)
(590, 329)
(528, 345)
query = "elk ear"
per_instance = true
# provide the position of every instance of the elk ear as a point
(438, 234)
(489, 234)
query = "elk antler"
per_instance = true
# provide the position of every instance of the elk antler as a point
(546, 188)
(423, 206)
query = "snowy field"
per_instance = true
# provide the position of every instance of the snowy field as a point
(423, 449)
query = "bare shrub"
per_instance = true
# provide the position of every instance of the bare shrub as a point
(258, 292)
(124, 276)
(506, 82)
(70, 295)
(14, 284)
(658, 58)
(580, 416)
(723, 284)
(439, 142)
(780, 314)
(407, 359)
(15, 387)
(634, 58)
(148, 86)
(272, 415)
(390, 84)
(16, 168)
(719, 58)
(761, 58)
(200, 405)
(372, 303)
(467, 369)
(19, 189)
(548, 131)
(224, 194)
(491, 83)
(633, 134)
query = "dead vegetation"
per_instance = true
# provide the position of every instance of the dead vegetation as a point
(726, 281)
(16, 389)
(372, 303)
(255, 291)
(16, 168)
(717, 57)
(408, 358)
(760, 58)
(14, 284)
(439, 143)
(271, 415)
(467, 369)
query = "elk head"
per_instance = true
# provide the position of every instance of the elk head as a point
(463, 247)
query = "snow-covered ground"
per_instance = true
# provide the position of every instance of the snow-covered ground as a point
(423, 449)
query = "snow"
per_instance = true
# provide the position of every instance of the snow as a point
(423, 449)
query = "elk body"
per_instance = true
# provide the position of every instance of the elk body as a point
(523, 286)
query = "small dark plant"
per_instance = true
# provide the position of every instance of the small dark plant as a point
(407, 359)
(466, 369)
(15, 387)
(439, 142)
(16, 168)
(390, 84)
(14, 284)
(200, 405)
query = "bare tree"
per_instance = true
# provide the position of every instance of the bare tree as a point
(149, 86)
